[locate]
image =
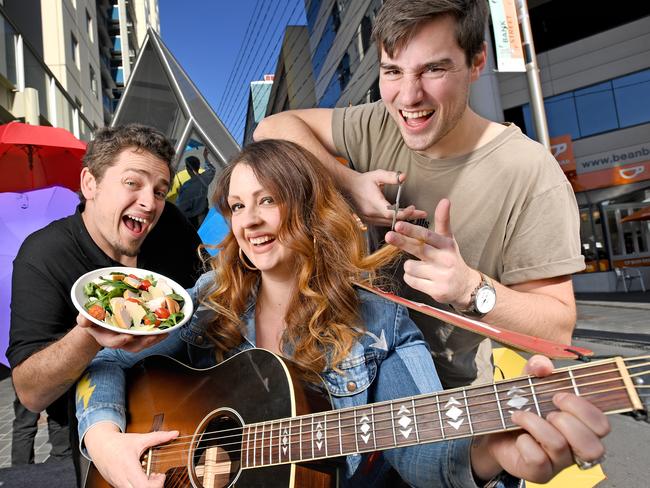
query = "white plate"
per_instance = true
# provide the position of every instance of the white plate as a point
(79, 298)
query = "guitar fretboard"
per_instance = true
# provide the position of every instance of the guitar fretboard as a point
(446, 415)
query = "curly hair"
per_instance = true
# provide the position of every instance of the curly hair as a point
(323, 319)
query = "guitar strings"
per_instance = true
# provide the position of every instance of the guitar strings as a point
(258, 461)
(422, 405)
(489, 393)
(378, 428)
(388, 402)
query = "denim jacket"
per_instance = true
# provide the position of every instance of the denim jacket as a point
(390, 360)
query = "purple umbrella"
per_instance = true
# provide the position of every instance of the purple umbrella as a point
(20, 215)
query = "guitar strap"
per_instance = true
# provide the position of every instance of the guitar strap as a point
(515, 340)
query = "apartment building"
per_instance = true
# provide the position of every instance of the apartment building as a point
(64, 62)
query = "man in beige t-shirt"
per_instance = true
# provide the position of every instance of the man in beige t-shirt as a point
(505, 232)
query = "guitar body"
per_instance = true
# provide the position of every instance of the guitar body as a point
(253, 386)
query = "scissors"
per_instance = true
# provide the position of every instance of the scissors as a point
(395, 208)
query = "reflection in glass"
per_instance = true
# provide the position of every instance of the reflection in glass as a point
(151, 100)
(596, 109)
(632, 98)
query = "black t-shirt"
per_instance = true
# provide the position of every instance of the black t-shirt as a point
(53, 258)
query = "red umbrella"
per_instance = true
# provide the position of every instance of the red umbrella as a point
(639, 215)
(34, 156)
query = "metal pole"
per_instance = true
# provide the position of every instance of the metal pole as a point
(532, 72)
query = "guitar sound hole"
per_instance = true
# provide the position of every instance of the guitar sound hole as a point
(216, 456)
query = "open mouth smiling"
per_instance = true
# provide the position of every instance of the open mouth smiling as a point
(260, 240)
(134, 223)
(416, 116)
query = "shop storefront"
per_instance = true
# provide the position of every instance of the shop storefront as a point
(614, 203)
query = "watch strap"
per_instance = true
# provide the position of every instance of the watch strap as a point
(471, 310)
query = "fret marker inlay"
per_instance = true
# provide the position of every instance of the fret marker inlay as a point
(454, 413)
(319, 436)
(365, 427)
(517, 401)
(285, 440)
(405, 421)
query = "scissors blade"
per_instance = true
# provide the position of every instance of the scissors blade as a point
(397, 209)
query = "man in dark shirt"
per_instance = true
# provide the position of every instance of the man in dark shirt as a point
(122, 221)
(193, 195)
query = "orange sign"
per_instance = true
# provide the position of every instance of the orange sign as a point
(622, 263)
(562, 150)
(619, 175)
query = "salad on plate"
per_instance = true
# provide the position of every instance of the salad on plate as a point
(137, 303)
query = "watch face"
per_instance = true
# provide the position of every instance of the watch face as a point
(485, 299)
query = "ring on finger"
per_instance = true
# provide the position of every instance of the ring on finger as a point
(582, 464)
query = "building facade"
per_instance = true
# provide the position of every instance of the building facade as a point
(63, 62)
(293, 81)
(46, 57)
(596, 85)
(258, 99)
(122, 26)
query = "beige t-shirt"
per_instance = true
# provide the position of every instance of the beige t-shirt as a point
(513, 214)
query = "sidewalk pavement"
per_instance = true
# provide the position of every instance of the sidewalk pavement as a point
(598, 318)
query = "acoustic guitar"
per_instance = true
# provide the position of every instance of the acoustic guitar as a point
(250, 422)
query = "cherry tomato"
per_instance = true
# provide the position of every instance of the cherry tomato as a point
(148, 322)
(145, 284)
(162, 313)
(97, 311)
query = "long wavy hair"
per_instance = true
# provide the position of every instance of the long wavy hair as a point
(317, 223)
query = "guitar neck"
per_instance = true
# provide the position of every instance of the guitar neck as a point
(450, 414)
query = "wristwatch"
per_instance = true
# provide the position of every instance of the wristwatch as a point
(483, 300)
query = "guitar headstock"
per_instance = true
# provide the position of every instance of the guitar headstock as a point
(639, 370)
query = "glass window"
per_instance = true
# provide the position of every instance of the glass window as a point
(332, 93)
(632, 93)
(118, 75)
(63, 110)
(561, 116)
(151, 99)
(591, 239)
(596, 109)
(85, 131)
(621, 102)
(89, 26)
(36, 77)
(324, 46)
(7, 51)
(74, 49)
(93, 80)
(343, 71)
(312, 14)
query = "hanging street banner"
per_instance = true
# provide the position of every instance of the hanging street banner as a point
(505, 22)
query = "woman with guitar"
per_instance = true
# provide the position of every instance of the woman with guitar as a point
(284, 281)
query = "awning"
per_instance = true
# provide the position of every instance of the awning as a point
(642, 214)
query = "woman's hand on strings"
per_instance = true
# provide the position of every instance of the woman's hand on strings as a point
(117, 455)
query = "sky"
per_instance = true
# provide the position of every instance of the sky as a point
(224, 44)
